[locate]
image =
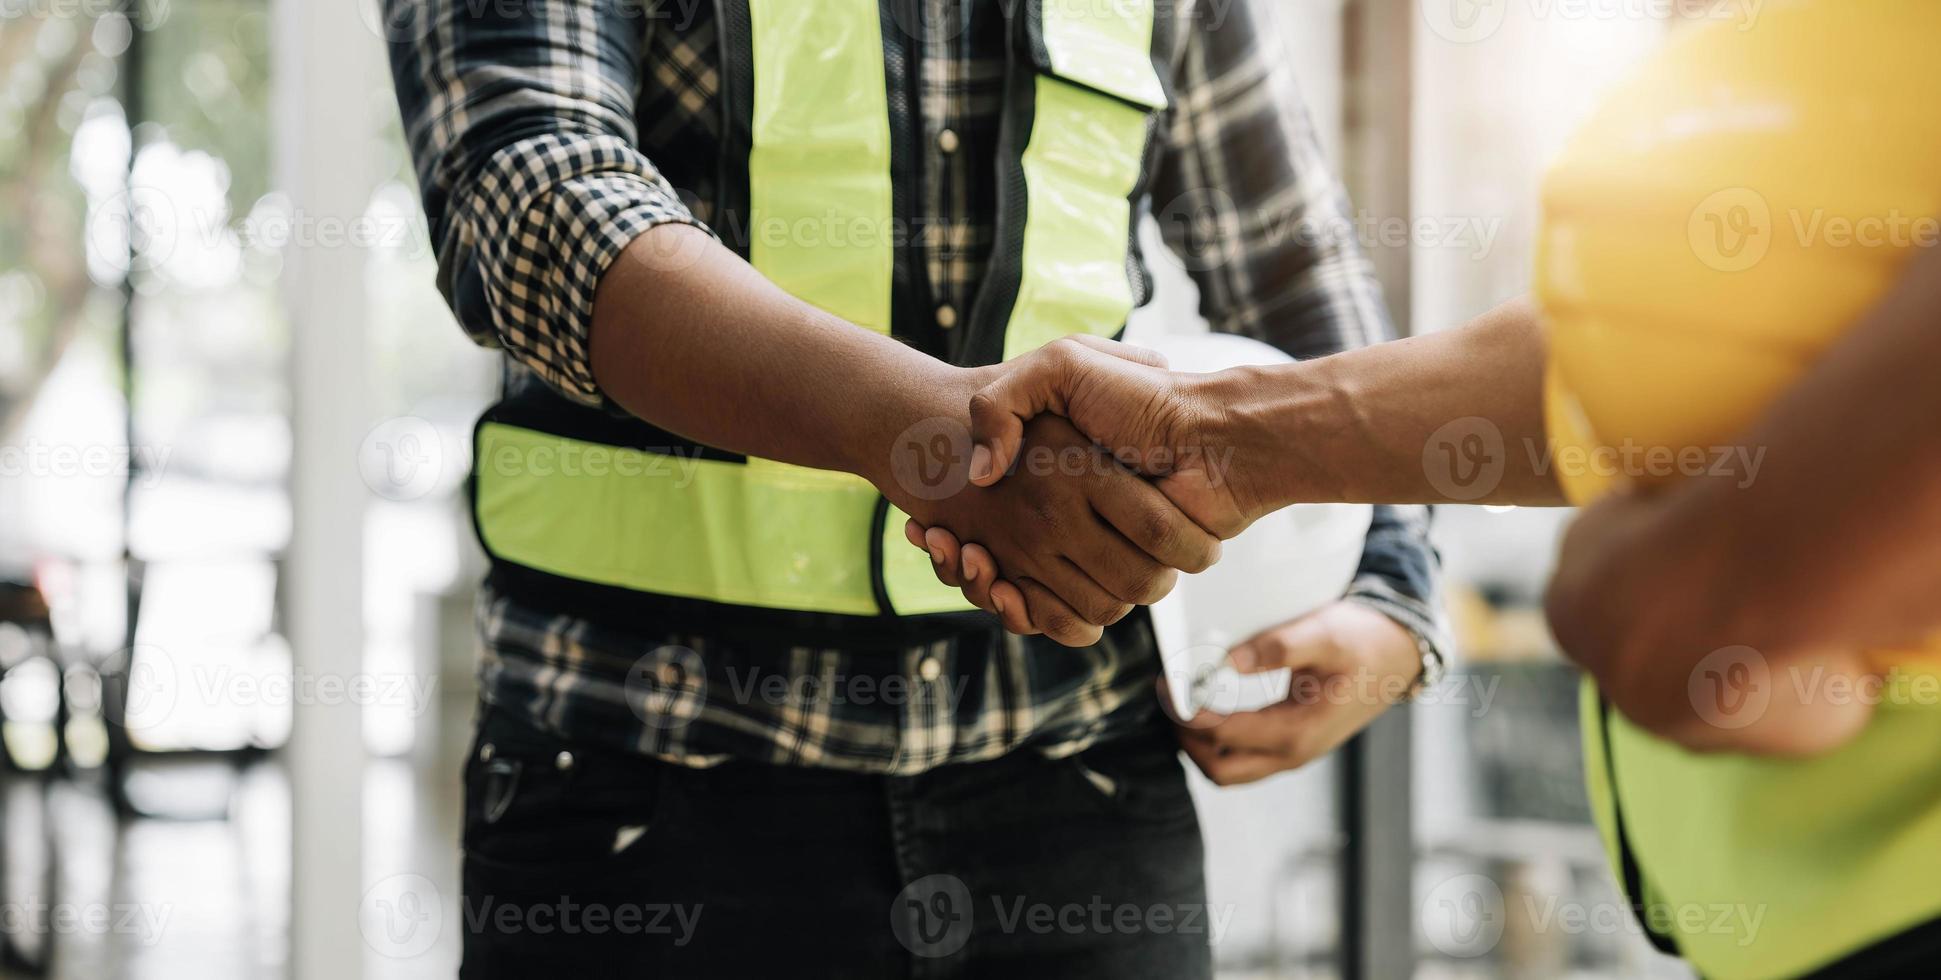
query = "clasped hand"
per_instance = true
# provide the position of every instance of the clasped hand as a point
(1081, 537)
(1050, 547)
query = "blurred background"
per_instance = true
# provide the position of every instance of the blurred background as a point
(234, 414)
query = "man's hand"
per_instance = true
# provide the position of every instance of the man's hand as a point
(1164, 424)
(1629, 604)
(1350, 663)
(1082, 539)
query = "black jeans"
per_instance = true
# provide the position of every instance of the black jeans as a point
(587, 864)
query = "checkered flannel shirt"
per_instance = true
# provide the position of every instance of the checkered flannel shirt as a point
(547, 134)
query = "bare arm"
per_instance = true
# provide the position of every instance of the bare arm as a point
(691, 338)
(1363, 426)
(561, 242)
(1834, 548)
(1385, 423)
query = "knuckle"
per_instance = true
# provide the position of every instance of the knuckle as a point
(1045, 512)
(1145, 583)
(983, 406)
(1057, 624)
(1228, 525)
(1157, 586)
(1156, 529)
(1207, 557)
(1104, 610)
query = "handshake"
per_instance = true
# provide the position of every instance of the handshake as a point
(1093, 476)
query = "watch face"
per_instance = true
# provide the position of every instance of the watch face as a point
(1432, 666)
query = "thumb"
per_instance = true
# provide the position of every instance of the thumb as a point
(998, 413)
(1039, 382)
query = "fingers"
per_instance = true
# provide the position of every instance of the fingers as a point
(1120, 569)
(999, 412)
(945, 557)
(980, 569)
(1059, 620)
(975, 572)
(979, 574)
(1157, 527)
(1224, 767)
(1039, 382)
(1011, 608)
(1280, 729)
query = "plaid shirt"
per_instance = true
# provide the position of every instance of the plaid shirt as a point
(549, 133)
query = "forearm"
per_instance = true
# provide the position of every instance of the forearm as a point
(1834, 548)
(1837, 540)
(692, 339)
(1367, 425)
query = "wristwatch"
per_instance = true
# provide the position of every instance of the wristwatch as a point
(1433, 668)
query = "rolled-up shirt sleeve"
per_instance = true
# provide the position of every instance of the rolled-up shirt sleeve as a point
(1245, 198)
(520, 120)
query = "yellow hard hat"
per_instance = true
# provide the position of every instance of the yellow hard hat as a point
(1725, 217)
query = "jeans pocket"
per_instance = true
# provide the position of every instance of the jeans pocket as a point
(501, 787)
(533, 799)
(1138, 777)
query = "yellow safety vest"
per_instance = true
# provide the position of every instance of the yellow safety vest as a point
(591, 514)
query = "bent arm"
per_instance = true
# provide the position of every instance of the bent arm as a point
(559, 241)
(1833, 547)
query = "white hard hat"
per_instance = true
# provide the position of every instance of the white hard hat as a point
(1290, 562)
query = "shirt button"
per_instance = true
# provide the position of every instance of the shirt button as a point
(563, 761)
(946, 316)
(930, 669)
(947, 141)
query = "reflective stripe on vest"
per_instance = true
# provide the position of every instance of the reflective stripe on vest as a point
(1082, 161)
(1757, 867)
(821, 225)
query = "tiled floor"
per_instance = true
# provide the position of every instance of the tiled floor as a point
(205, 898)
